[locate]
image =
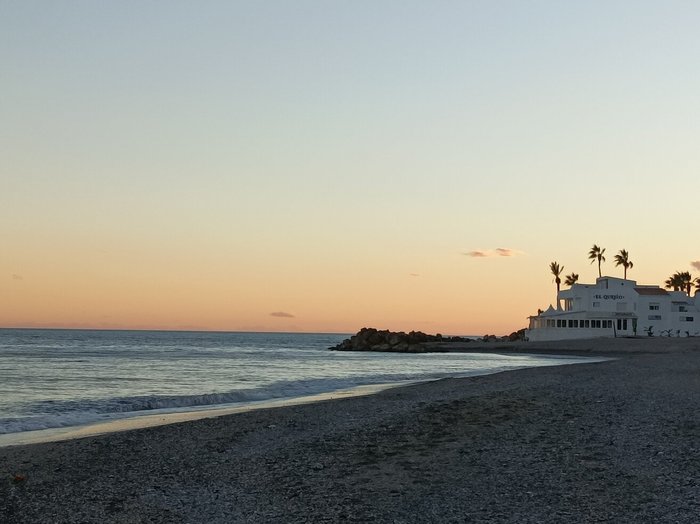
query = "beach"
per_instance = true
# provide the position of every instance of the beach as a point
(613, 441)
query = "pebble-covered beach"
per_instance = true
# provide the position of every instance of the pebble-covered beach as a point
(615, 441)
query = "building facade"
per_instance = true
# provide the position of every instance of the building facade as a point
(616, 307)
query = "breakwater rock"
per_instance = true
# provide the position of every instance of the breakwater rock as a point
(370, 339)
(515, 336)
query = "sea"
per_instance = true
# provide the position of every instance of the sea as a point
(67, 378)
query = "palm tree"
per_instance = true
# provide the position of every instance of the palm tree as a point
(623, 259)
(596, 253)
(673, 282)
(680, 281)
(697, 284)
(571, 279)
(686, 281)
(556, 270)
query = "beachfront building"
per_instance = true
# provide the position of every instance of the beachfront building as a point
(616, 307)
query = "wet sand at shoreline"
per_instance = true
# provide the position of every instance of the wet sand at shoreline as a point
(142, 421)
(615, 441)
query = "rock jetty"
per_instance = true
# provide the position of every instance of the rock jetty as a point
(371, 339)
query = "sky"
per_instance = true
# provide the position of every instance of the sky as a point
(321, 166)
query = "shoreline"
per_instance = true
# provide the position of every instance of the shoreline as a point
(166, 416)
(190, 414)
(612, 441)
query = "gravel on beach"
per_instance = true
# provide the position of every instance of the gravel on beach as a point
(615, 441)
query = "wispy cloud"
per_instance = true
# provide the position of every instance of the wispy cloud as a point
(506, 252)
(498, 252)
(281, 314)
(696, 264)
(413, 274)
(17, 277)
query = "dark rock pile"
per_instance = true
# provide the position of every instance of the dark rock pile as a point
(370, 339)
(515, 336)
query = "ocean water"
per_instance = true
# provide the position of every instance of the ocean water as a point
(63, 378)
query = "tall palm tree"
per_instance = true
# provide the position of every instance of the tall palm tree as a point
(571, 279)
(697, 284)
(556, 270)
(596, 253)
(623, 259)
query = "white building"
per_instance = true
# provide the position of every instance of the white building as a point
(615, 307)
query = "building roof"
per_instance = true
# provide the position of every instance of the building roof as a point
(652, 290)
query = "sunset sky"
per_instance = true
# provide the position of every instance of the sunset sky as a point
(327, 165)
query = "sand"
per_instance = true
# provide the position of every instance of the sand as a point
(614, 441)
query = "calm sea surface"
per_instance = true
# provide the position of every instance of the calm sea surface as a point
(59, 378)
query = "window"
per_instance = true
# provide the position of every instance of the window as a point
(588, 323)
(558, 322)
(571, 323)
(654, 317)
(580, 323)
(596, 304)
(682, 309)
(687, 319)
(653, 306)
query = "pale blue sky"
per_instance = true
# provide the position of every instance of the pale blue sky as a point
(370, 133)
